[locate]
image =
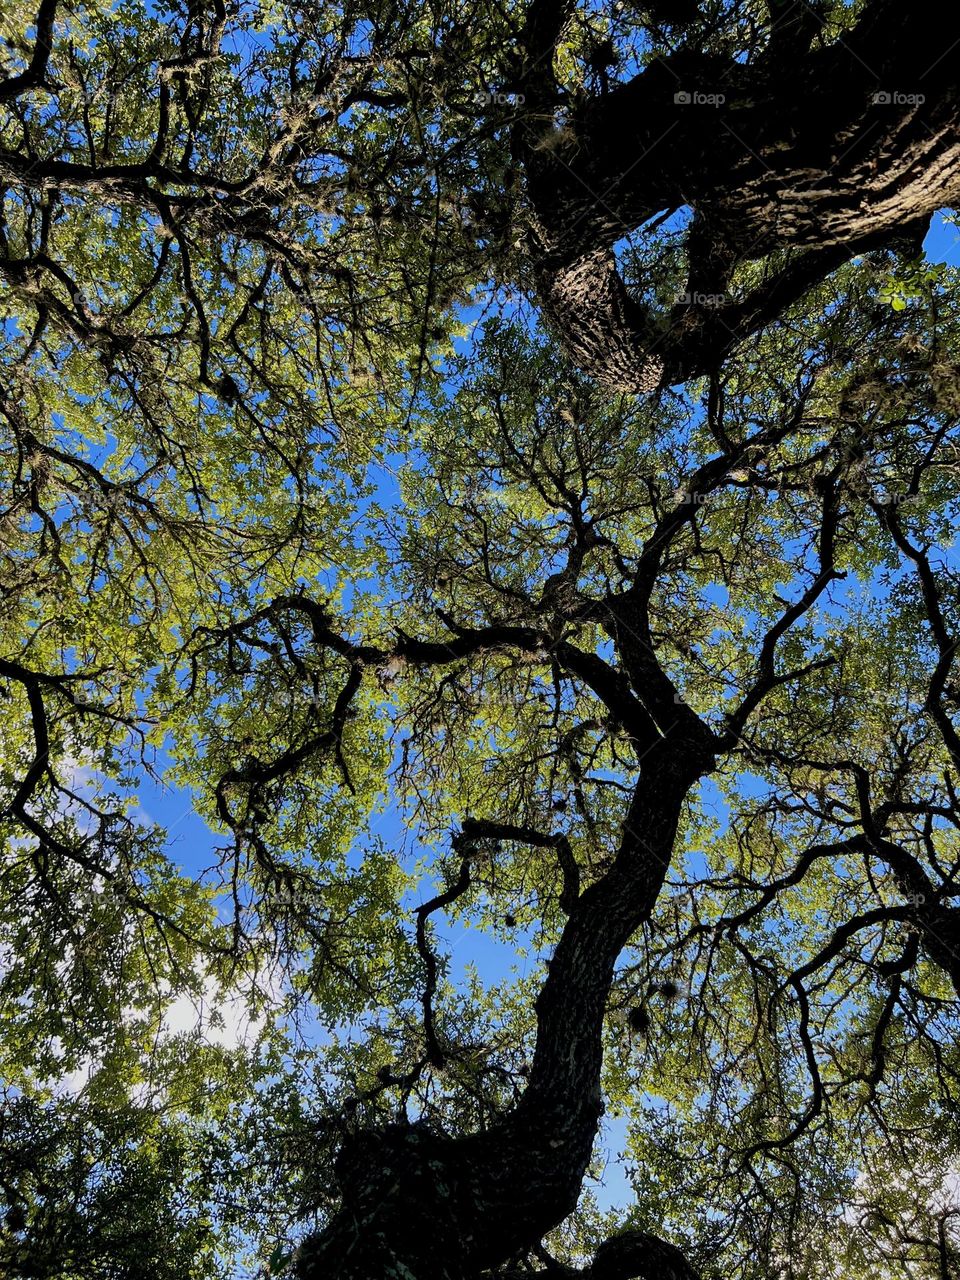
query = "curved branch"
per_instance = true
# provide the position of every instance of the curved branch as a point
(435, 1054)
(839, 149)
(32, 78)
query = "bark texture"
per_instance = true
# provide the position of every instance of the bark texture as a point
(817, 148)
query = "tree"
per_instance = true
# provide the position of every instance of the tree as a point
(538, 421)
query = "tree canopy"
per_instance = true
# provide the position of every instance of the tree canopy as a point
(498, 464)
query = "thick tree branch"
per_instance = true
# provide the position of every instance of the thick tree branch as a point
(843, 148)
(33, 77)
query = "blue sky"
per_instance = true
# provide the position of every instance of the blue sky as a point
(942, 243)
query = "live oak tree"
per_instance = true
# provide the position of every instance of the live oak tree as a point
(537, 423)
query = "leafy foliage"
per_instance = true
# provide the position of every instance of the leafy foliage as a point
(304, 511)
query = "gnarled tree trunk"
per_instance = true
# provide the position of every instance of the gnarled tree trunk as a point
(424, 1206)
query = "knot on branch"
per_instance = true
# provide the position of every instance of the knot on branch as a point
(636, 1255)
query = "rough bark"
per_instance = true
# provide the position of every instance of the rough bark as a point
(809, 154)
(424, 1205)
(632, 1255)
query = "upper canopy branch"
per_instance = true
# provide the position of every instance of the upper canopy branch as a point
(605, 681)
(33, 76)
(843, 148)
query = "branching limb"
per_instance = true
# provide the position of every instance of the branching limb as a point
(457, 889)
(33, 77)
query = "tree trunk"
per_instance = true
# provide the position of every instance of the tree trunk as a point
(420, 1205)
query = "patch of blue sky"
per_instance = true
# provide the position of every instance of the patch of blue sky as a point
(942, 241)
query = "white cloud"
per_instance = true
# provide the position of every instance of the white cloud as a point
(74, 1083)
(220, 1017)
